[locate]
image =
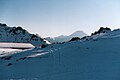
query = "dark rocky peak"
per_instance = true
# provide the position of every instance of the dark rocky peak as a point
(101, 30)
(2, 24)
(17, 30)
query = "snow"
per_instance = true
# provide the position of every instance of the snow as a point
(38, 54)
(97, 58)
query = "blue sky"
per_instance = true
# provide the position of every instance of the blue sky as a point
(57, 17)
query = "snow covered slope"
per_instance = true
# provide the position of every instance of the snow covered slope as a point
(96, 57)
(19, 35)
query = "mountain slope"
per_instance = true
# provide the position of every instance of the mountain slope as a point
(96, 57)
(19, 35)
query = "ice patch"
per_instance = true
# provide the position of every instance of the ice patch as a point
(7, 51)
(38, 54)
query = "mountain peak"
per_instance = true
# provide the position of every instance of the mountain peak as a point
(78, 34)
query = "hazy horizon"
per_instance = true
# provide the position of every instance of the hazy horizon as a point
(50, 18)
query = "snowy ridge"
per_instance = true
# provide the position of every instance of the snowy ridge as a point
(112, 34)
(103, 34)
(19, 35)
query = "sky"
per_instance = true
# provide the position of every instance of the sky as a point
(50, 18)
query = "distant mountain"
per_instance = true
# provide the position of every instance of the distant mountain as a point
(78, 34)
(63, 38)
(19, 35)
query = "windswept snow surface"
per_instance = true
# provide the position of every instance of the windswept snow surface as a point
(91, 59)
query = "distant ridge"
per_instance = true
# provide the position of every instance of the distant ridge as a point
(63, 38)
